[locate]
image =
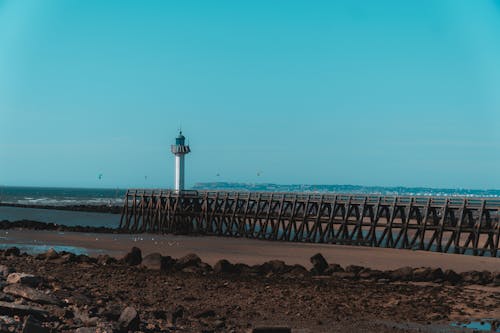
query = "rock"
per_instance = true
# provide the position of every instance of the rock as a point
(87, 330)
(275, 266)
(5, 271)
(319, 263)
(344, 275)
(22, 310)
(152, 261)
(12, 251)
(129, 319)
(31, 325)
(51, 254)
(177, 313)
(31, 294)
(272, 330)
(354, 269)
(112, 312)
(452, 276)
(156, 261)
(371, 274)
(6, 298)
(205, 314)
(23, 278)
(436, 274)
(105, 260)
(477, 277)
(297, 271)
(401, 274)
(134, 257)
(188, 260)
(422, 274)
(332, 268)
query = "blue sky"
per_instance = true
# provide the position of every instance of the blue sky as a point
(327, 92)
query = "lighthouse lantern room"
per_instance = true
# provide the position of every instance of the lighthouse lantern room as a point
(179, 150)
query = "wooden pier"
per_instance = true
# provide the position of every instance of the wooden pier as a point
(443, 224)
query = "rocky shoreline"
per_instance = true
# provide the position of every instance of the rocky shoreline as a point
(63, 292)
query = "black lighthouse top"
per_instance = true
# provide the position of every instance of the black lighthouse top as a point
(179, 140)
(180, 148)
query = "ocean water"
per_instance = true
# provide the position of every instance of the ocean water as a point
(86, 196)
(57, 196)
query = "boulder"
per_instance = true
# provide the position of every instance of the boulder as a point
(188, 260)
(12, 251)
(156, 261)
(22, 310)
(32, 325)
(344, 275)
(23, 278)
(452, 276)
(319, 264)
(332, 268)
(31, 294)
(177, 313)
(422, 274)
(5, 271)
(297, 271)
(354, 269)
(437, 274)
(401, 274)
(272, 329)
(51, 254)
(472, 277)
(273, 266)
(371, 274)
(105, 260)
(129, 319)
(134, 257)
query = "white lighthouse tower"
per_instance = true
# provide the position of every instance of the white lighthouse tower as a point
(179, 150)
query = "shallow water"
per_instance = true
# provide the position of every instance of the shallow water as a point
(483, 325)
(66, 217)
(37, 249)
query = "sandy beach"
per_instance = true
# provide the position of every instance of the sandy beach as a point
(248, 251)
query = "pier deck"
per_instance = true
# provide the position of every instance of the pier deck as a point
(443, 224)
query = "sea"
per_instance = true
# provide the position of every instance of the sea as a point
(56, 196)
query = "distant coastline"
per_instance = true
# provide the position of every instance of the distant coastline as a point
(354, 189)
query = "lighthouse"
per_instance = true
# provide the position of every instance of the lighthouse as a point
(179, 150)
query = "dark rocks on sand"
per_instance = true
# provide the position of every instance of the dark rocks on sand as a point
(401, 274)
(188, 260)
(31, 294)
(105, 260)
(223, 266)
(156, 261)
(332, 268)
(452, 276)
(272, 330)
(354, 269)
(51, 254)
(273, 266)
(129, 319)
(21, 310)
(5, 271)
(12, 251)
(23, 278)
(134, 257)
(205, 314)
(319, 264)
(32, 325)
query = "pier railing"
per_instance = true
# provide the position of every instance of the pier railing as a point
(459, 225)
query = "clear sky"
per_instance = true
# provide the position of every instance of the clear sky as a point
(316, 92)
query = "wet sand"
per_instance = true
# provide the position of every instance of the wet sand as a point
(249, 251)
